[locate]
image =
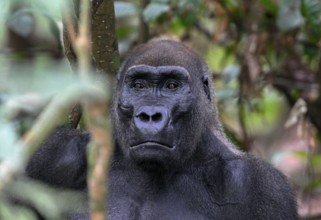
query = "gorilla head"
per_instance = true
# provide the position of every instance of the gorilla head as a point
(163, 105)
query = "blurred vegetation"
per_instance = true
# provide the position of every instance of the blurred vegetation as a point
(37, 92)
(266, 64)
(264, 55)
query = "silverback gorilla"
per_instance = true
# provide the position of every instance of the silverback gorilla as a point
(172, 159)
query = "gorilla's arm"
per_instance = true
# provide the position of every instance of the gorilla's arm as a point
(61, 160)
(271, 191)
(253, 188)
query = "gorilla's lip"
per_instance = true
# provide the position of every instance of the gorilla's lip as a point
(152, 145)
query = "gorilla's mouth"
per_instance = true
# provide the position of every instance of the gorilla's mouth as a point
(152, 145)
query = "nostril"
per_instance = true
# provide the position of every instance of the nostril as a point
(144, 117)
(157, 117)
(150, 120)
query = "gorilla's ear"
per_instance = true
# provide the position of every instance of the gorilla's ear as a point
(206, 87)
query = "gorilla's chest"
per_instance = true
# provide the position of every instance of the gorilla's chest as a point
(134, 198)
(156, 206)
(167, 206)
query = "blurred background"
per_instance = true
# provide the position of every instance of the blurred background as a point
(265, 59)
(264, 55)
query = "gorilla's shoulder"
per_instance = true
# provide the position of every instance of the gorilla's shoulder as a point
(245, 179)
(244, 171)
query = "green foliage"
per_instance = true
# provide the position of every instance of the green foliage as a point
(9, 151)
(230, 3)
(261, 115)
(4, 5)
(21, 23)
(49, 202)
(218, 58)
(124, 9)
(283, 36)
(312, 11)
(32, 74)
(314, 161)
(53, 8)
(289, 15)
(10, 212)
(270, 6)
(154, 10)
(177, 26)
(265, 112)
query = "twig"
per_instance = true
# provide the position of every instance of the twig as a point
(70, 24)
(70, 37)
(95, 118)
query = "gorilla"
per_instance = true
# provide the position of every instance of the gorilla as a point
(172, 159)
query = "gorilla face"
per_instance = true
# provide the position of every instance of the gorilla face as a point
(154, 105)
(158, 111)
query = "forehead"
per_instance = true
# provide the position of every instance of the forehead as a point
(165, 53)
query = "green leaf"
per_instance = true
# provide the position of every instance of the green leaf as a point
(269, 6)
(314, 184)
(10, 212)
(43, 81)
(302, 155)
(314, 159)
(230, 3)
(154, 10)
(177, 26)
(230, 73)
(124, 9)
(53, 5)
(265, 112)
(4, 5)
(183, 4)
(218, 57)
(49, 202)
(226, 94)
(9, 151)
(22, 23)
(124, 32)
(51, 8)
(161, 1)
(289, 15)
(312, 12)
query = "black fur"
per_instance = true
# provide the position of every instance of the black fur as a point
(172, 159)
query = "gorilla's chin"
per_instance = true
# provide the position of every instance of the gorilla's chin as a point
(152, 155)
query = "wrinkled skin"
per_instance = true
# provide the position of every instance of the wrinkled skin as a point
(172, 159)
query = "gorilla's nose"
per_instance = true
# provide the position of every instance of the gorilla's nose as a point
(151, 119)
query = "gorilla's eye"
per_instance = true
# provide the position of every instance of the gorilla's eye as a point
(172, 85)
(138, 85)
